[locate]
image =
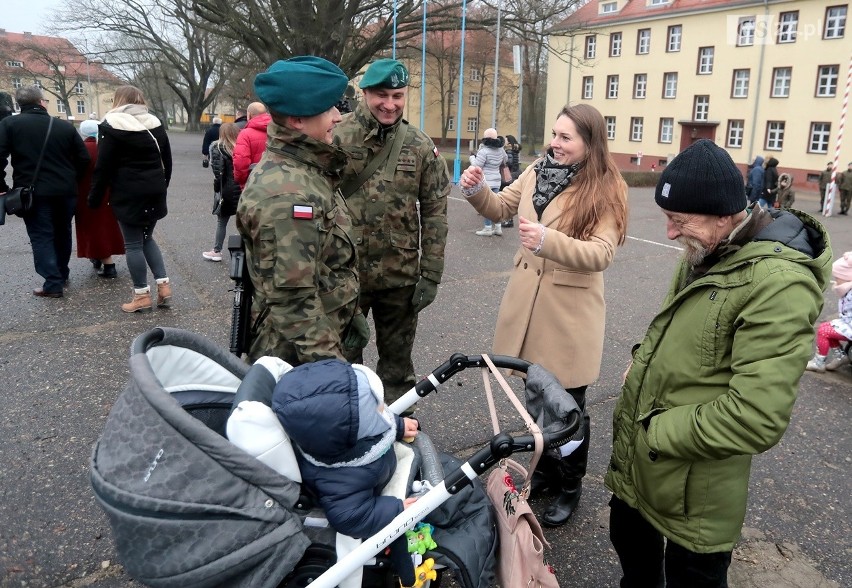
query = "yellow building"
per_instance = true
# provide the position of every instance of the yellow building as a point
(758, 78)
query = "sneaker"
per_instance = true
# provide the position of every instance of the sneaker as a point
(498, 229)
(212, 255)
(485, 232)
(837, 363)
(817, 364)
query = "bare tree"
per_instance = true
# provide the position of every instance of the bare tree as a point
(163, 36)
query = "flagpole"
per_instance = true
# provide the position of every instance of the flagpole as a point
(831, 190)
(423, 72)
(496, 70)
(393, 51)
(457, 163)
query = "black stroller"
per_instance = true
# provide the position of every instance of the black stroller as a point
(190, 509)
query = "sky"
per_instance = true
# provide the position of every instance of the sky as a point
(27, 15)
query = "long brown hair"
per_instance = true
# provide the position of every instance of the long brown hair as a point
(600, 188)
(228, 137)
(128, 95)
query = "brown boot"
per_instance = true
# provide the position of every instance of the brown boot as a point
(141, 301)
(164, 294)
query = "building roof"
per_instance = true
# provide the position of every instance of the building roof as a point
(632, 10)
(27, 49)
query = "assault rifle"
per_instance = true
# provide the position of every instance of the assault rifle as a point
(243, 292)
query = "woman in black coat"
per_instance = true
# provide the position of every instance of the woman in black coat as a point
(135, 163)
(222, 164)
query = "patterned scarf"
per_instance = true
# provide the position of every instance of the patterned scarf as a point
(551, 179)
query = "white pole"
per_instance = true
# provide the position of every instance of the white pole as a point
(496, 71)
(831, 190)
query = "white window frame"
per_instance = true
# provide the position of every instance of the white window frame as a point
(81, 107)
(590, 50)
(701, 108)
(782, 78)
(608, 7)
(588, 87)
(472, 124)
(640, 86)
(17, 83)
(740, 83)
(612, 87)
(666, 130)
(615, 40)
(775, 135)
(745, 31)
(788, 27)
(818, 139)
(473, 99)
(670, 85)
(827, 79)
(451, 98)
(735, 134)
(60, 106)
(835, 22)
(451, 123)
(706, 56)
(643, 41)
(14, 63)
(637, 128)
(674, 38)
(610, 127)
(78, 88)
(475, 74)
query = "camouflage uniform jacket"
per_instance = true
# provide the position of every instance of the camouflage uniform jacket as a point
(391, 237)
(301, 257)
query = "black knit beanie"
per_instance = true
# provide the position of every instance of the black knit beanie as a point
(702, 179)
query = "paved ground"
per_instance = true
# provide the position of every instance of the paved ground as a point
(63, 362)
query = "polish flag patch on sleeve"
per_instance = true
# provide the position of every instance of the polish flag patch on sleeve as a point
(435, 151)
(301, 211)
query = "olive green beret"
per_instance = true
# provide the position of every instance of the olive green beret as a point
(301, 86)
(385, 73)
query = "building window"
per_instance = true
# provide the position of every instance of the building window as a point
(745, 31)
(666, 130)
(788, 25)
(702, 108)
(739, 86)
(612, 87)
(588, 87)
(81, 107)
(643, 41)
(591, 47)
(473, 99)
(615, 45)
(610, 127)
(451, 123)
(827, 80)
(674, 38)
(60, 107)
(451, 98)
(472, 124)
(609, 7)
(670, 84)
(57, 87)
(774, 135)
(835, 22)
(78, 88)
(37, 84)
(736, 130)
(640, 85)
(16, 83)
(781, 77)
(820, 133)
(658, 2)
(705, 60)
(12, 63)
(475, 74)
(637, 124)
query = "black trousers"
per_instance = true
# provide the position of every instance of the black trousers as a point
(645, 556)
(573, 467)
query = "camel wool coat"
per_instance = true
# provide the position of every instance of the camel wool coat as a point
(553, 311)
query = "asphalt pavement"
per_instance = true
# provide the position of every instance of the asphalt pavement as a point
(64, 361)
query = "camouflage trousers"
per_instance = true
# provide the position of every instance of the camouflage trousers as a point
(395, 326)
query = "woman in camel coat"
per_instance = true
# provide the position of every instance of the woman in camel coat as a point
(572, 207)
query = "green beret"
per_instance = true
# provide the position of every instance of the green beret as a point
(385, 73)
(301, 86)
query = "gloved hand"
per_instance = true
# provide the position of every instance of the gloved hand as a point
(358, 333)
(424, 294)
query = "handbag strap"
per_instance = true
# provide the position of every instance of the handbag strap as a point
(157, 143)
(43, 149)
(528, 421)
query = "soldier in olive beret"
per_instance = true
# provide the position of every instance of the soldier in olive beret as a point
(393, 167)
(295, 224)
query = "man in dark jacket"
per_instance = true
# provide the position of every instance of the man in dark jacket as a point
(212, 134)
(770, 183)
(65, 160)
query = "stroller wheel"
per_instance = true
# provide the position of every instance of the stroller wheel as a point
(317, 559)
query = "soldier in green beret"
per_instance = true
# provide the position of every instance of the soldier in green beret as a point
(295, 224)
(396, 185)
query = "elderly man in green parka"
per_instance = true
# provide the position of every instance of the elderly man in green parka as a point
(715, 378)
